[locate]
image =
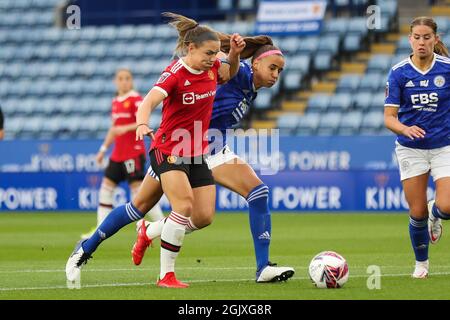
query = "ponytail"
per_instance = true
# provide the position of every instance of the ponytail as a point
(252, 44)
(441, 49)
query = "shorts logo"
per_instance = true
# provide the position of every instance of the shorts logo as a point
(171, 159)
(188, 98)
(211, 74)
(439, 81)
(405, 165)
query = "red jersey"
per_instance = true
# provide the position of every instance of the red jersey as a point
(124, 110)
(187, 109)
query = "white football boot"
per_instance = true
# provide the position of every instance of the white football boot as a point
(272, 273)
(76, 261)
(434, 224)
(421, 270)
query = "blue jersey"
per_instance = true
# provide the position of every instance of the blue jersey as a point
(423, 99)
(233, 100)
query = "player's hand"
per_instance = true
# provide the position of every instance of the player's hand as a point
(99, 157)
(237, 43)
(144, 130)
(413, 132)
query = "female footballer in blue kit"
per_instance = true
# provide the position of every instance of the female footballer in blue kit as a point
(417, 109)
(230, 105)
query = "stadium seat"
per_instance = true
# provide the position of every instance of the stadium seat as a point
(329, 43)
(292, 80)
(322, 61)
(308, 123)
(350, 123)
(299, 63)
(318, 103)
(362, 100)
(348, 83)
(372, 122)
(308, 45)
(379, 62)
(287, 123)
(352, 42)
(263, 100)
(340, 102)
(370, 82)
(329, 123)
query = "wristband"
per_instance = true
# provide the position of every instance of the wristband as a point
(103, 148)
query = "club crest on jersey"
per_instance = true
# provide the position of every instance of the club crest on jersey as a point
(211, 74)
(439, 81)
(171, 159)
(188, 98)
(126, 104)
(163, 77)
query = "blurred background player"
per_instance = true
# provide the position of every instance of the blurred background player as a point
(2, 133)
(186, 88)
(230, 106)
(127, 161)
(417, 109)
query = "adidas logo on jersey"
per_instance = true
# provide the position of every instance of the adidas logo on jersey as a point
(409, 84)
(187, 83)
(264, 235)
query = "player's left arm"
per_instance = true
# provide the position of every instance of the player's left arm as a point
(230, 68)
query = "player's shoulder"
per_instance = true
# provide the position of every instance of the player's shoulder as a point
(400, 66)
(443, 61)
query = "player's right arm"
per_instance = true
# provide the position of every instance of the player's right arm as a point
(150, 102)
(391, 106)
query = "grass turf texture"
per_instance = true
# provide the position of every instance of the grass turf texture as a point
(218, 261)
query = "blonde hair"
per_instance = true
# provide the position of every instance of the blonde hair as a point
(189, 31)
(440, 47)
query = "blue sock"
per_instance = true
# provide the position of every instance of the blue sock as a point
(418, 232)
(260, 223)
(116, 220)
(439, 214)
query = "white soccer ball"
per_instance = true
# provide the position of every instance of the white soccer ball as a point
(328, 269)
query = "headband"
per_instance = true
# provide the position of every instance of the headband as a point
(269, 53)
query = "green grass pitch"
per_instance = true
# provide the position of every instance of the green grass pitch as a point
(218, 261)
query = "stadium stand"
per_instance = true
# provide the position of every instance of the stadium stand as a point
(60, 80)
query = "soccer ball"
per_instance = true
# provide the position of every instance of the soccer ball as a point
(328, 269)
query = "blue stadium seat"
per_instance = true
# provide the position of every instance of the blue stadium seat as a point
(318, 103)
(291, 45)
(378, 101)
(145, 32)
(126, 32)
(372, 122)
(340, 102)
(299, 63)
(329, 123)
(308, 123)
(370, 82)
(329, 43)
(362, 100)
(352, 42)
(108, 33)
(348, 83)
(322, 61)
(292, 80)
(287, 123)
(357, 25)
(263, 100)
(308, 45)
(379, 62)
(443, 24)
(336, 25)
(350, 123)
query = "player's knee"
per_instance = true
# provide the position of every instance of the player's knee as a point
(184, 206)
(203, 220)
(140, 204)
(443, 205)
(106, 195)
(418, 211)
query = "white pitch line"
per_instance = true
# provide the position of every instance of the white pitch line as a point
(192, 268)
(136, 284)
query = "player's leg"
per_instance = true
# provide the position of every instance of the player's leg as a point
(114, 174)
(175, 185)
(415, 189)
(135, 175)
(150, 192)
(239, 177)
(439, 208)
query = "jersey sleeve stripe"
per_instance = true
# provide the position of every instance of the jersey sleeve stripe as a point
(392, 105)
(164, 92)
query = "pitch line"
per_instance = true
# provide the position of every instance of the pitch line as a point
(140, 284)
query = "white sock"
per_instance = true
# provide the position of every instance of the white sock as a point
(154, 229)
(155, 213)
(104, 203)
(190, 227)
(171, 240)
